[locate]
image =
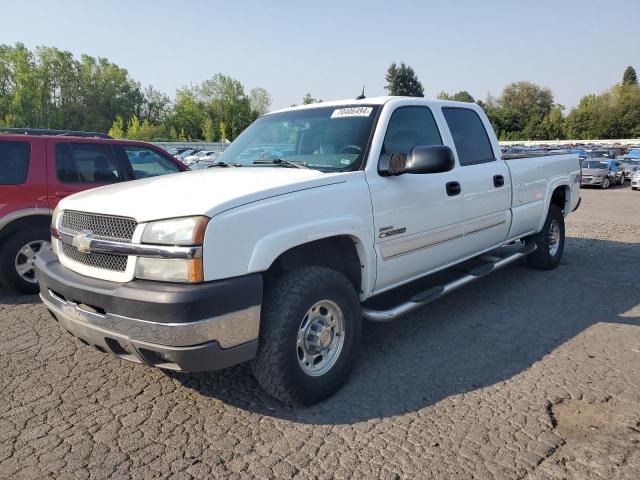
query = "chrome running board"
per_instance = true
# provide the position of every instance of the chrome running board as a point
(434, 293)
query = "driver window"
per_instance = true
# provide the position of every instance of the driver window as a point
(147, 163)
(410, 127)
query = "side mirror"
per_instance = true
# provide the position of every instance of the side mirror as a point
(422, 159)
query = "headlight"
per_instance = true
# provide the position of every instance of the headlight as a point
(176, 231)
(55, 217)
(170, 269)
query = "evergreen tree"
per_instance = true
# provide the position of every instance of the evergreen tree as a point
(630, 77)
(117, 128)
(403, 81)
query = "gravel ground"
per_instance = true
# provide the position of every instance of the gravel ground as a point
(526, 373)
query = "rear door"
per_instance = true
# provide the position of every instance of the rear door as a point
(484, 180)
(22, 174)
(418, 224)
(75, 165)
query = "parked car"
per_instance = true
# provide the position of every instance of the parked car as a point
(209, 155)
(40, 167)
(278, 260)
(628, 165)
(602, 173)
(635, 180)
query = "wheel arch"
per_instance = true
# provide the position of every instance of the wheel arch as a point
(24, 219)
(342, 253)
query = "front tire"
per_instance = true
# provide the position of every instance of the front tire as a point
(18, 256)
(309, 335)
(550, 241)
(606, 183)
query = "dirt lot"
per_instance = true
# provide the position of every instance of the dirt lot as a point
(526, 373)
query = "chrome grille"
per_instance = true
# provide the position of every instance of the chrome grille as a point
(105, 261)
(103, 227)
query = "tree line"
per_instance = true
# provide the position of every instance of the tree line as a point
(50, 88)
(526, 111)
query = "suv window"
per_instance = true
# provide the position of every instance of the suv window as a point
(147, 163)
(87, 163)
(469, 136)
(410, 127)
(14, 162)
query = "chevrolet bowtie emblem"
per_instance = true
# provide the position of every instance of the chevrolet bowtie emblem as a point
(82, 241)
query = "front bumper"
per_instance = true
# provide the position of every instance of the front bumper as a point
(592, 180)
(635, 182)
(173, 326)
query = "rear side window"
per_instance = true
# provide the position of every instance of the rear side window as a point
(147, 163)
(86, 163)
(14, 162)
(469, 136)
(410, 127)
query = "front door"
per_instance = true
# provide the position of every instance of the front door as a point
(74, 166)
(418, 222)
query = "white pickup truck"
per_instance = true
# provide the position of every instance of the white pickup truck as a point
(278, 252)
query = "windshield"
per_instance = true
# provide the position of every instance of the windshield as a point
(598, 154)
(631, 162)
(595, 164)
(328, 139)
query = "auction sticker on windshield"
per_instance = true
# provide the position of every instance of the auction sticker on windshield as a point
(352, 112)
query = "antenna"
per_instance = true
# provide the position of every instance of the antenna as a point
(361, 96)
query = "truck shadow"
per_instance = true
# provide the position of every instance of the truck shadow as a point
(478, 336)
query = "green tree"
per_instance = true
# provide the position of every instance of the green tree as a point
(117, 128)
(223, 132)
(259, 100)
(403, 81)
(133, 128)
(308, 99)
(462, 96)
(629, 77)
(208, 130)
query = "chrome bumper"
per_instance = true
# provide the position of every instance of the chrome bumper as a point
(227, 330)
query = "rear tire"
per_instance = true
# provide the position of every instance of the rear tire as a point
(287, 365)
(550, 241)
(18, 255)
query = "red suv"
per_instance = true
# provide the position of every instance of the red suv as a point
(40, 167)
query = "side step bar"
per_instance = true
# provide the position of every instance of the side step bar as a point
(434, 293)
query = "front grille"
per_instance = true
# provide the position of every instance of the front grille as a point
(102, 227)
(105, 261)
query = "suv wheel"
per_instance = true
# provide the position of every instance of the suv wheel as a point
(550, 241)
(309, 335)
(605, 183)
(17, 258)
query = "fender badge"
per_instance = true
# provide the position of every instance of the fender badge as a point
(82, 241)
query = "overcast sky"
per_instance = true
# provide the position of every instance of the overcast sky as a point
(331, 48)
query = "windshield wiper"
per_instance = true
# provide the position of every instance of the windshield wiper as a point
(280, 161)
(220, 163)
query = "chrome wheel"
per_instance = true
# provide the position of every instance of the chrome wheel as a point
(554, 238)
(320, 338)
(606, 183)
(25, 261)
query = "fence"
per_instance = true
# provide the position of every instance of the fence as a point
(214, 146)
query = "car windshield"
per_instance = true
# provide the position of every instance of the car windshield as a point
(328, 139)
(598, 154)
(631, 162)
(594, 164)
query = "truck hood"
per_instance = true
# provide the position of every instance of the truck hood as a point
(201, 192)
(595, 171)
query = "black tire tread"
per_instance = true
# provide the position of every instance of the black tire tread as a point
(269, 366)
(7, 255)
(540, 258)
